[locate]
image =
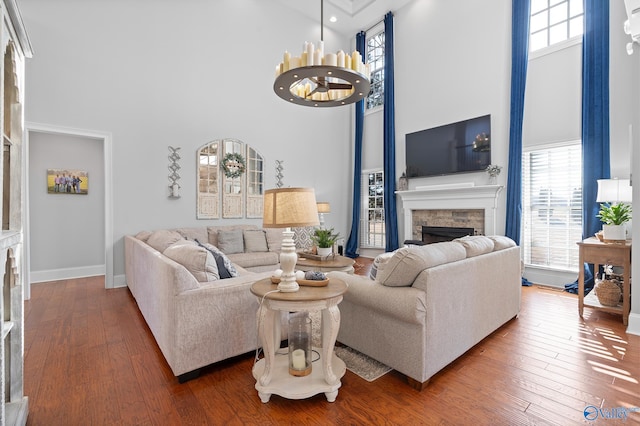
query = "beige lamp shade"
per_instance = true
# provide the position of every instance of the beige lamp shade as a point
(614, 191)
(290, 207)
(323, 207)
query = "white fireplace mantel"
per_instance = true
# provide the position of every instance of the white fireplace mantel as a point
(441, 197)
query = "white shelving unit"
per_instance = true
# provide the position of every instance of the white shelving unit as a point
(15, 48)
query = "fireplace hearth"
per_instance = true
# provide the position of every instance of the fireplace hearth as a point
(436, 234)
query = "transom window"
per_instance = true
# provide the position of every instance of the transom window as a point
(554, 21)
(375, 59)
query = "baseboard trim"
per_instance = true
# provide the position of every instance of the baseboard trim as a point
(634, 324)
(66, 273)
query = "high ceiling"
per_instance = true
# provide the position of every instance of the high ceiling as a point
(352, 15)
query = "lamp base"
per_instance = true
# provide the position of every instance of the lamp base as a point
(288, 259)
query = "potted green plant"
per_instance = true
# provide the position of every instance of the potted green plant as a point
(324, 239)
(613, 218)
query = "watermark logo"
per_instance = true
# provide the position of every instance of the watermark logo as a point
(593, 413)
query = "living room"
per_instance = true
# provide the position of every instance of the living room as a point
(141, 76)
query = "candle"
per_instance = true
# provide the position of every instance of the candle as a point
(340, 58)
(331, 59)
(294, 62)
(310, 54)
(303, 59)
(286, 60)
(347, 61)
(298, 359)
(317, 57)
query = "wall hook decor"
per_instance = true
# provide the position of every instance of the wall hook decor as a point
(174, 187)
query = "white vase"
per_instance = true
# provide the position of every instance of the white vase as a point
(324, 251)
(614, 232)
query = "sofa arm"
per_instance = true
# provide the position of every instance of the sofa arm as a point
(404, 303)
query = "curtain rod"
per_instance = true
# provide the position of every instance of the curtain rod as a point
(374, 25)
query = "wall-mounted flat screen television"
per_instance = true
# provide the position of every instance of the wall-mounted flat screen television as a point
(459, 147)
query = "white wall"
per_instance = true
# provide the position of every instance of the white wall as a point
(160, 73)
(452, 62)
(66, 230)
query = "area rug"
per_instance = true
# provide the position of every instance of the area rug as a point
(360, 364)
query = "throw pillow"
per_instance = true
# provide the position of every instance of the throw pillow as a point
(274, 239)
(379, 263)
(225, 267)
(475, 245)
(501, 242)
(143, 235)
(255, 240)
(197, 260)
(163, 238)
(407, 262)
(230, 241)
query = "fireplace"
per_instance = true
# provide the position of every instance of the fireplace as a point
(468, 206)
(435, 234)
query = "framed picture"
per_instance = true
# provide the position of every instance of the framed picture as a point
(67, 181)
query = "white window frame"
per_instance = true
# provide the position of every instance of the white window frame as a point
(544, 13)
(375, 52)
(372, 223)
(563, 215)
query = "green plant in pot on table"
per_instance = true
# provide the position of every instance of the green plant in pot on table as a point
(324, 239)
(614, 217)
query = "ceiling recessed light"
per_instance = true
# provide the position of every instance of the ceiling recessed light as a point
(333, 19)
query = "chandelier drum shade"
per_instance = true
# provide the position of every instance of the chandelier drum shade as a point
(322, 80)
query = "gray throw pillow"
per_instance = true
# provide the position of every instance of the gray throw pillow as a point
(255, 241)
(231, 241)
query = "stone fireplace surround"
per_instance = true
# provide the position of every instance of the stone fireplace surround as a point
(465, 203)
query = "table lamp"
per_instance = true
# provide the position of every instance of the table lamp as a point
(614, 191)
(287, 208)
(323, 207)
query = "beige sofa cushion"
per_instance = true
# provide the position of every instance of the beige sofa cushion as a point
(475, 245)
(407, 262)
(196, 259)
(379, 264)
(198, 233)
(501, 242)
(163, 238)
(255, 240)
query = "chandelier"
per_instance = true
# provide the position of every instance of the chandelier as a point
(322, 80)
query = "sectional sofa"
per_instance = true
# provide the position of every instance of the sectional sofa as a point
(197, 316)
(430, 304)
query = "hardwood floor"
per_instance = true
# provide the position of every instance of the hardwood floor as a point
(90, 359)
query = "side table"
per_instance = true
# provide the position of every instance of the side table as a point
(599, 253)
(337, 263)
(272, 372)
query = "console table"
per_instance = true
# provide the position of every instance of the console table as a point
(272, 372)
(599, 253)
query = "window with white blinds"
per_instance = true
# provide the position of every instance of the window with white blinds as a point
(552, 206)
(372, 227)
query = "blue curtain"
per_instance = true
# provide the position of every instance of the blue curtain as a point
(352, 243)
(390, 210)
(519, 59)
(595, 118)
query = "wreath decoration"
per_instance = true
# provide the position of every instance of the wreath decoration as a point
(233, 165)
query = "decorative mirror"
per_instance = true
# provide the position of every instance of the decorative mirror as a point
(230, 180)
